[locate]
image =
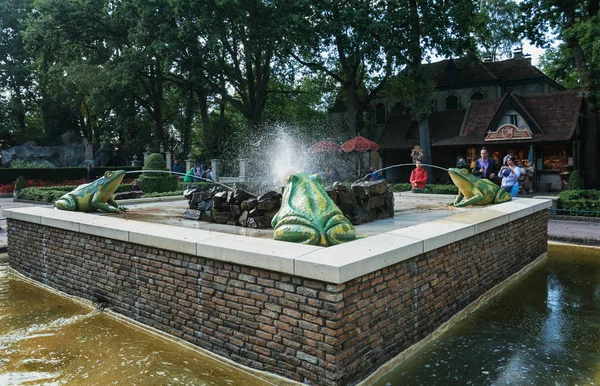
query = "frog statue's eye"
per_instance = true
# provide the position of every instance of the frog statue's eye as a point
(464, 171)
(108, 174)
(289, 178)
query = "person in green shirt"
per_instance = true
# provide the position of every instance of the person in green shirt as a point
(189, 176)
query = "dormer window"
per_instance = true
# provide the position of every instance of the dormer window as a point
(452, 102)
(477, 96)
(380, 114)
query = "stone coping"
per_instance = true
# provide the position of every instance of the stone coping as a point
(336, 264)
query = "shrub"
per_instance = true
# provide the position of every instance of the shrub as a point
(52, 193)
(579, 202)
(20, 183)
(164, 194)
(156, 182)
(431, 189)
(576, 180)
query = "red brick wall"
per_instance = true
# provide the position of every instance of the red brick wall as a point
(309, 331)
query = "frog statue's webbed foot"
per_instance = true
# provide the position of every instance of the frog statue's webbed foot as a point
(339, 230)
(296, 233)
(477, 197)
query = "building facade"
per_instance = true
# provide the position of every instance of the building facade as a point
(503, 106)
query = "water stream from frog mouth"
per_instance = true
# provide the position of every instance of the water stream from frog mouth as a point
(396, 166)
(181, 174)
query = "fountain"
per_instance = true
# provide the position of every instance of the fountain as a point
(312, 314)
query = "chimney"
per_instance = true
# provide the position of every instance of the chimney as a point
(518, 54)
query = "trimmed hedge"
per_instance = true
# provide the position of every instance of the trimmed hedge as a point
(430, 189)
(10, 175)
(164, 194)
(579, 203)
(53, 193)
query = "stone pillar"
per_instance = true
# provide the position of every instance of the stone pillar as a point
(243, 163)
(215, 164)
(169, 160)
(147, 153)
(189, 162)
(135, 161)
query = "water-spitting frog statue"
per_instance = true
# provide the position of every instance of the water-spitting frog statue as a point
(308, 215)
(97, 195)
(477, 191)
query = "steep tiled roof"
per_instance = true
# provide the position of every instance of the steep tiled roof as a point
(469, 71)
(514, 69)
(557, 115)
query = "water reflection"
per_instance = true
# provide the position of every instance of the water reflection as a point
(46, 339)
(543, 330)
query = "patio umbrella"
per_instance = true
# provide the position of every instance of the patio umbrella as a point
(325, 146)
(359, 144)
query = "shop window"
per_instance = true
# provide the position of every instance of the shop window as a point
(512, 119)
(477, 96)
(452, 102)
(380, 114)
(555, 157)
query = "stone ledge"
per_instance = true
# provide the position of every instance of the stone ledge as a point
(336, 264)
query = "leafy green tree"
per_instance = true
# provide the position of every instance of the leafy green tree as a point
(577, 24)
(16, 72)
(558, 64)
(497, 28)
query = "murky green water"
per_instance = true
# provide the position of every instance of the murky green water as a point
(543, 330)
(46, 339)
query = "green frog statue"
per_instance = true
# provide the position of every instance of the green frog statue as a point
(97, 195)
(477, 191)
(308, 215)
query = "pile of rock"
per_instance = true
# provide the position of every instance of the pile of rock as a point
(232, 207)
(364, 201)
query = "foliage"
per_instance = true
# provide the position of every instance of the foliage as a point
(579, 202)
(20, 183)
(429, 189)
(53, 193)
(155, 161)
(575, 180)
(558, 63)
(164, 194)
(497, 28)
(28, 165)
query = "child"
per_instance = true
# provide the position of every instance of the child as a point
(418, 178)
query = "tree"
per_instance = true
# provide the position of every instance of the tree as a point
(577, 24)
(498, 27)
(16, 69)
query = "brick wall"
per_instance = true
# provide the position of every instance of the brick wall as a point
(309, 331)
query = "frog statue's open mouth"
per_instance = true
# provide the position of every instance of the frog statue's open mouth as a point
(309, 216)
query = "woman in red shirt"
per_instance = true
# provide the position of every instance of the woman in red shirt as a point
(418, 178)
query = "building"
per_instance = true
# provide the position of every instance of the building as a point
(506, 105)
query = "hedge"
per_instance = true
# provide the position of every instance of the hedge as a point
(430, 189)
(53, 193)
(10, 175)
(579, 203)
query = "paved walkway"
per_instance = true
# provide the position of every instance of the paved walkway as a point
(570, 231)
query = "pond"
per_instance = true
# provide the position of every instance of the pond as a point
(542, 330)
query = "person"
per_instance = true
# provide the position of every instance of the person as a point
(510, 176)
(91, 172)
(332, 175)
(198, 172)
(418, 178)
(189, 176)
(508, 154)
(176, 167)
(529, 171)
(208, 174)
(135, 187)
(486, 167)
(522, 174)
(462, 164)
(374, 174)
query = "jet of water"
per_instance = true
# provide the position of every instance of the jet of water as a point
(395, 166)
